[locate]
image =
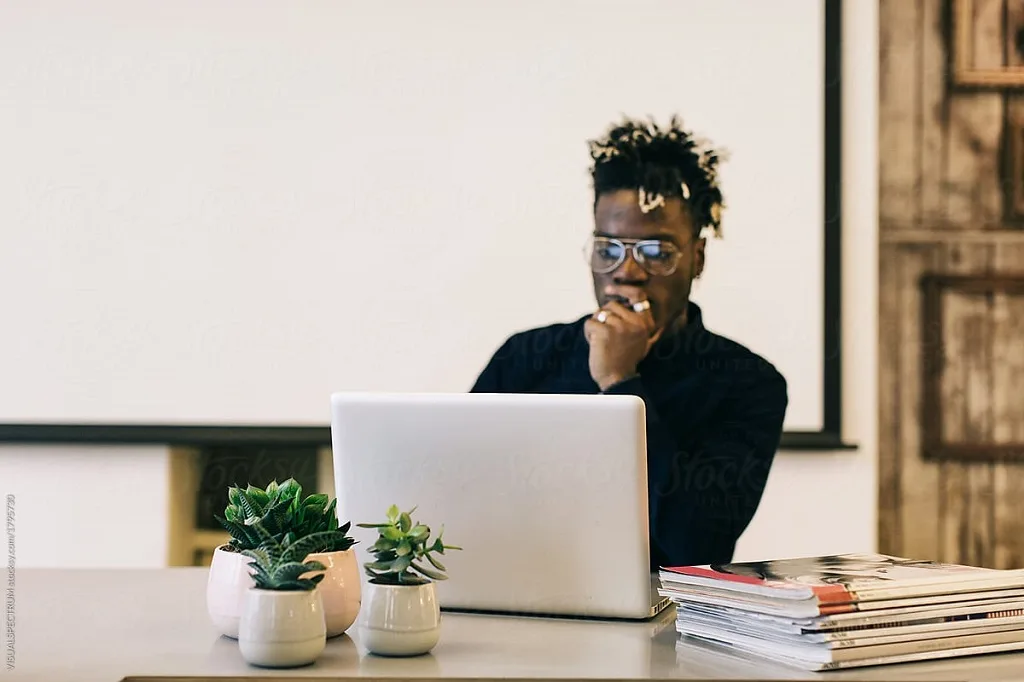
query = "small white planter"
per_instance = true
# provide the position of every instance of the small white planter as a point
(400, 620)
(229, 581)
(231, 577)
(282, 629)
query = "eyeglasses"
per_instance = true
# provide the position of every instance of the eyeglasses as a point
(656, 256)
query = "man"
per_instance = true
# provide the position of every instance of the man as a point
(714, 409)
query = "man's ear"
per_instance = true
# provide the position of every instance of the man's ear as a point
(698, 257)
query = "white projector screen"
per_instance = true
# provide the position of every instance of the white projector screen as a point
(218, 212)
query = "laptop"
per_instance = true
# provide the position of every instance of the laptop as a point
(545, 494)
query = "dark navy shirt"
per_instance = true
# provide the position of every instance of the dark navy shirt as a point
(714, 419)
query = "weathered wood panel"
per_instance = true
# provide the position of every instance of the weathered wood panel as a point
(919, 512)
(972, 170)
(934, 113)
(898, 106)
(889, 467)
(1007, 410)
(954, 478)
(975, 182)
(942, 210)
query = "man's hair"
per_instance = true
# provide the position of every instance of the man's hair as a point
(659, 163)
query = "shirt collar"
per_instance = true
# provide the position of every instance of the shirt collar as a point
(677, 345)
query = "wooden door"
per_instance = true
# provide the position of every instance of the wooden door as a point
(951, 289)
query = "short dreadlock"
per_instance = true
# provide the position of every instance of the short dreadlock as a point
(659, 163)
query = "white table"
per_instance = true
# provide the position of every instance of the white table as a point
(108, 625)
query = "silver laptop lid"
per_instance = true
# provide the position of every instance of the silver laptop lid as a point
(547, 494)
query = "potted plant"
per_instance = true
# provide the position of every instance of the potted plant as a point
(402, 615)
(278, 510)
(282, 623)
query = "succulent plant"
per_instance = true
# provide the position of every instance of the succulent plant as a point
(278, 563)
(400, 549)
(281, 509)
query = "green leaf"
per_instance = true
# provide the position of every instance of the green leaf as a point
(388, 555)
(261, 532)
(419, 531)
(383, 544)
(393, 513)
(312, 544)
(429, 573)
(249, 508)
(402, 563)
(259, 497)
(410, 579)
(260, 554)
(247, 537)
(404, 547)
(317, 500)
(404, 522)
(305, 584)
(392, 533)
(275, 516)
(437, 564)
(289, 571)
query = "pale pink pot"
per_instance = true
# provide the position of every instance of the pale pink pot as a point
(340, 589)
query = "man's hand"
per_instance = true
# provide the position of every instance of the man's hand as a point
(618, 344)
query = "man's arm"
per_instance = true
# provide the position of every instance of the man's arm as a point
(704, 491)
(489, 380)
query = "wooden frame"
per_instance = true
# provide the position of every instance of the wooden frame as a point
(933, 361)
(964, 72)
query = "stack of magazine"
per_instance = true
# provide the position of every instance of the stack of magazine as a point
(850, 610)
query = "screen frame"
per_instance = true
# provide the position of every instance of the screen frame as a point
(829, 437)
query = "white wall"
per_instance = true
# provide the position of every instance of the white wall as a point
(87, 506)
(191, 198)
(106, 505)
(818, 503)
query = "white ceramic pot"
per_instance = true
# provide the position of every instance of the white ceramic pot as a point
(400, 620)
(229, 581)
(231, 577)
(282, 629)
(340, 589)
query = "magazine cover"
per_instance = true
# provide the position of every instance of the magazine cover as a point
(839, 578)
